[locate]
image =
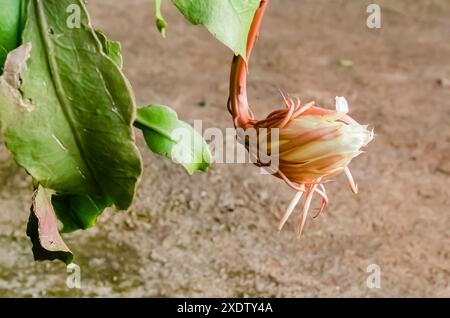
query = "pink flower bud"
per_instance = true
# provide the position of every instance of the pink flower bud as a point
(315, 144)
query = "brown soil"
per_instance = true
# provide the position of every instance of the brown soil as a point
(215, 234)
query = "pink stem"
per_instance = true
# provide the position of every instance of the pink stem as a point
(238, 101)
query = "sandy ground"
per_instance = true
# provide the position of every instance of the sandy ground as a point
(215, 234)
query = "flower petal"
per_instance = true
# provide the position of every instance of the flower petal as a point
(341, 104)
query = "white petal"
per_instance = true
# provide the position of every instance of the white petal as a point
(341, 104)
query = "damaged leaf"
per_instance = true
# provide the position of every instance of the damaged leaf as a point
(42, 229)
(66, 109)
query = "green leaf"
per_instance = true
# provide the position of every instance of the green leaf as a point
(111, 48)
(78, 211)
(228, 20)
(168, 136)
(66, 109)
(42, 229)
(11, 23)
(161, 24)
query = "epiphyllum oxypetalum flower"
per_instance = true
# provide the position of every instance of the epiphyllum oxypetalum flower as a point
(315, 144)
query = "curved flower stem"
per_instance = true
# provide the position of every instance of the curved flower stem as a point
(238, 101)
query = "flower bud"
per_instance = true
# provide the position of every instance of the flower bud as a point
(315, 144)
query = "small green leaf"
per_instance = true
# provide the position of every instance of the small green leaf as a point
(168, 136)
(228, 20)
(161, 24)
(42, 229)
(78, 211)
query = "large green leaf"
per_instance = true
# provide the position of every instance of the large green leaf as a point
(228, 20)
(67, 110)
(168, 136)
(12, 14)
(42, 229)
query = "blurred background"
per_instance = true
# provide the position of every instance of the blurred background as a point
(215, 234)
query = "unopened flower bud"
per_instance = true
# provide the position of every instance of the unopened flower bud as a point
(315, 144)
